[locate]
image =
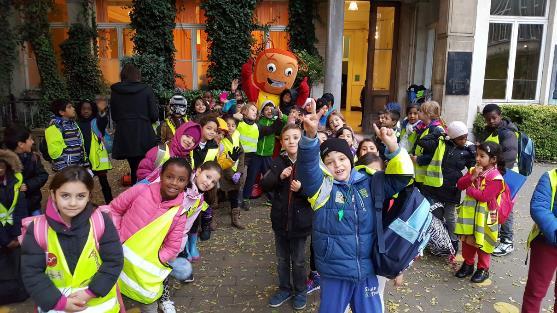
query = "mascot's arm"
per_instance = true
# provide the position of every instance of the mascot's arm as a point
(247, 85)
(303, 92)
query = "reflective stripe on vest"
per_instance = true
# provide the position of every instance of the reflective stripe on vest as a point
(474, 219)
(420, 169)
(98, 155)
(323, 194)
(228, 146)
(143, 273)
(249, 135)
(434, 172)
(210, 156)
(7, 215)
(162, 155)
(87, 266)
(553, 182)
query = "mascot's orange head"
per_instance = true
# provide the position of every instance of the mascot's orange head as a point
(275, 70)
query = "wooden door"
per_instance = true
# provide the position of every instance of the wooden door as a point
(382, 60)
(357, 58)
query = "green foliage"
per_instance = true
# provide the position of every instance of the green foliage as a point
(81, 66)
(35, 30)
(310, 66)
(229, 26)
(152, 73)
(8, 51)
(301, 14)
(538, 121)
(153, 21)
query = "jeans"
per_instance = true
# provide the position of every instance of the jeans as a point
(257, 165)
(543, 264)
(506, 231)
(291, 258)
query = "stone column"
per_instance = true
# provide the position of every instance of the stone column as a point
(455, 33)
(333, 57)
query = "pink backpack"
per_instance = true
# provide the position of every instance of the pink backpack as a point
(40, 228)
(505, 205)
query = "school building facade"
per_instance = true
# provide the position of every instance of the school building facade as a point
(467, 52)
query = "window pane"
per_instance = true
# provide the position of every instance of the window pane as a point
(32, 69)
(201, 45)
(128, 42)
(382, 69)
(527, 61)
(279, 40)
(497, 61)
(188, 11)
(202, 74)
(113, 11)
(272, 12)
(182, 43)
(58, 36)
(518, 7)
(184, 69)
(108, 54)
(384, 28)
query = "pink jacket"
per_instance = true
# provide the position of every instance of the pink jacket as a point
(142, 204)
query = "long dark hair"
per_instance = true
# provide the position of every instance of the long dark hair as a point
(494, 150)
(70, 174)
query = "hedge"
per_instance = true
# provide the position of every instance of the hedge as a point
(538, 121)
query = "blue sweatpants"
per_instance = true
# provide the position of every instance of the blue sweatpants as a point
(363, 296)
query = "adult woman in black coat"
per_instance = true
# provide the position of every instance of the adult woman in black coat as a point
(134, 109)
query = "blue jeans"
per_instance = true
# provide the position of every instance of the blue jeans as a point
(256, 165)
(506, 230)
(291, 259)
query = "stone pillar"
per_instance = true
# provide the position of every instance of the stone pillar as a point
(333, 57)
(455, 33)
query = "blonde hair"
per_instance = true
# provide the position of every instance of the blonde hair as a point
(432, 109)
(246, 107)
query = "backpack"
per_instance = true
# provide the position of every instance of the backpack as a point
(440, 243)
(105, 138)
(43, 148)
(402, 231)
(40, 229)
(526, 154)
(505, 206)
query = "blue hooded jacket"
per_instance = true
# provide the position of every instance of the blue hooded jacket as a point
(542, 214)
(344, 220)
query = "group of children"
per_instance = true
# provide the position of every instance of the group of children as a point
(315, 172)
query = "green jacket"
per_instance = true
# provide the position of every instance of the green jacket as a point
(268, 129)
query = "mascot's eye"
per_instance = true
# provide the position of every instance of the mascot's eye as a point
(271, 67)
(288, 72)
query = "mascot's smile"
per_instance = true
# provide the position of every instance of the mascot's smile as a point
(275, 83)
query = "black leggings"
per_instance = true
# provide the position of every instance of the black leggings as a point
(134, 164)
(233, 198)
(105, 186)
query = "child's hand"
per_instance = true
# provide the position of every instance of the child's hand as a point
(477, 171)
(74, 304)
(236, 178)
(295, 185)
(399, 280)
(234, 154)
(286, 173)
(234, 85)
(388, 136)
(81, 295)
(23, 188)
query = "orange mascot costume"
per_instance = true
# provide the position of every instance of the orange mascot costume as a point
(273, 71)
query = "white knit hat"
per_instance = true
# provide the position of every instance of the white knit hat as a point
(457, 129)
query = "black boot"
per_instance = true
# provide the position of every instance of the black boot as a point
(480, 275)
(465, 270)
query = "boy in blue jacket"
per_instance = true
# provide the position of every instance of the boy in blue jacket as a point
(543, 242)
(344, 220)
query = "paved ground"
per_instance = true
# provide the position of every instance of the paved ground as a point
(237, 272)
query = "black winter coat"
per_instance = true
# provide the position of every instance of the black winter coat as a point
(34, 176)
(10, 232)
(291, 213)
(507, 140)
(134, 109)
(72, 241)
(455, 160)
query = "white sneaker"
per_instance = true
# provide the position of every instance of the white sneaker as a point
(503, 248)
(167, 306)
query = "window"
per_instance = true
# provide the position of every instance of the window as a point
(514, 50)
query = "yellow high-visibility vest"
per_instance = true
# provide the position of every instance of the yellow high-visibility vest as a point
(249, 135)
(171, 125)
(7, 215)
(553, 182)
(98, 155)
(434, 172)
(87, 266)
(421, 169)
(228, 146)
(143, 273)
(210, 156)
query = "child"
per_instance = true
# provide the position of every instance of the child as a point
(12, 210)
(178, 108)
(343, 220)
(326, 101)
(286, 103)
(82, 266)
(409, 129)
(388, 119)
(449, 157)
(335, 122)
(63, 137)
(366, 146)
(249, 135)
(430, 116)
(209, 100)
(371, 160)
(184, 141)
(291, 216)
(200, 109)
(542, 242)
(477, 222)
(233, 177)
(18, 139)
(92, 121)
(322, 135)
(151, 219)
(347, 134)
(270, 124)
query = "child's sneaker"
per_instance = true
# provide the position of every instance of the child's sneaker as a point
(279, 298)
(189, 279)
(167, 306)
(300, 301)
(245, 205)
(313, 282)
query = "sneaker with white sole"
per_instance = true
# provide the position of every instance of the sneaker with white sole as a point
(504, 248)
(279, 298)
(189, 279)
(313, 283)
(167, 306)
